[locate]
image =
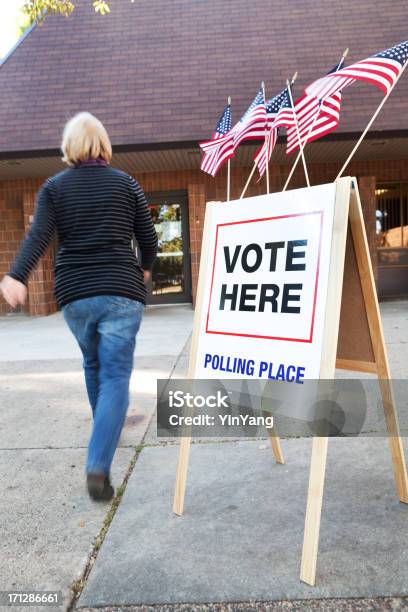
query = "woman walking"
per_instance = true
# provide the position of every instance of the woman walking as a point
(99, 284)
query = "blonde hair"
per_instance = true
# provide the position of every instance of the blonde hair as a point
(85, 137)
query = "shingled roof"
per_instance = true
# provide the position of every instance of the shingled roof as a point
(158, 72)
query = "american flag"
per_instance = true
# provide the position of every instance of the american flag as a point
(316, 118)
(251, 126)
(282, 106)
(381, 70)
(264, 153)
(218, 149)
(273, 106)
(279, 113)
(252, 123)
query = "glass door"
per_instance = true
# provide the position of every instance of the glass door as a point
(171, 275)
(392, 239)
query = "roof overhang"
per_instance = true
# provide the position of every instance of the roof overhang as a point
(186, 155)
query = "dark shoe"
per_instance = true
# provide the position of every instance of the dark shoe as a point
(99, 487)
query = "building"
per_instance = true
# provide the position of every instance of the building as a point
(158, 75)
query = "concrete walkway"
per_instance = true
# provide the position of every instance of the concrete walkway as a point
(47, 523)
(241, 535)
(240, 538)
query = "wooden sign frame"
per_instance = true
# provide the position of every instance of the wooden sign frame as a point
(361, 350)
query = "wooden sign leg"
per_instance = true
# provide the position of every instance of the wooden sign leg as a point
(275, 443)
(313, 510)
(395, 442)
(185, 441)
(181, 476)
(327, 371)
(274, 439)
(378, 343)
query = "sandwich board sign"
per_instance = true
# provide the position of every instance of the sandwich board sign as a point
(267, 267)
(283, 278)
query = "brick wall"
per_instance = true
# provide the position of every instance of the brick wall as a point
(17, 200)
(11, 227)
(41, 300)
(17, 204)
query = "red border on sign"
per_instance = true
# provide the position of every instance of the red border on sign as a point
(222, 333)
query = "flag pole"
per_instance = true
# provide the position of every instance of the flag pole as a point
(249, 180)
(229, 167)
(373, 118)
(305, 141)
(298, 133)
(265, 144)
(301, 148)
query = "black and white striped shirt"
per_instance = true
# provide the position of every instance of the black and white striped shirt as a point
(96, 210)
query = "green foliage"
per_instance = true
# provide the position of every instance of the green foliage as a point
(172, 246)
(101, 6)
(36, 10)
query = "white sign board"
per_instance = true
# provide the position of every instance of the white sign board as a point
(264, 286)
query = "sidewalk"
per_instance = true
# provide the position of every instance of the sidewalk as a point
(47, 523)
(240, 537)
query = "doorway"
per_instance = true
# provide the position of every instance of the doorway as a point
(171, 274)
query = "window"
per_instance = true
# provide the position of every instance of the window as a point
(392, 215)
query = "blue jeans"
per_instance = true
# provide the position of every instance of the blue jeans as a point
(105, 328)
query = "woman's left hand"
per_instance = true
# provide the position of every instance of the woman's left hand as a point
(13, 291)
